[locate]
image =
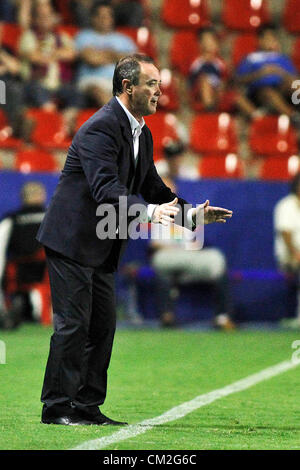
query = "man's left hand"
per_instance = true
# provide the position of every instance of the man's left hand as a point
(211, 214)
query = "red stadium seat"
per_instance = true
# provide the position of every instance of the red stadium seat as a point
(31, 160)
(245, 15)
(164, 129)
(7, 141)
(213, 133)
(48, 129)
(296, 54)
(158, 156)
(10, 34)
(243, 45)
(280, 168)
(291, 16)
(184, 49)
(169, 100)
(143, 38)
(220, 166)
(185, 13)
(273, 135)
(83, 116)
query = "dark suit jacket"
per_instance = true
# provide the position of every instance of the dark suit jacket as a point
(99, 168)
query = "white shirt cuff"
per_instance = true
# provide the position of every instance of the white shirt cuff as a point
(189, 215)
(150, 210)
(189, 219)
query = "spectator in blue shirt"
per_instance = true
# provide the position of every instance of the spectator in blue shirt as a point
(99, 48)
(268, 74)
(127, 12)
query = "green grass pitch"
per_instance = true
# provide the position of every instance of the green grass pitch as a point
(152, 371)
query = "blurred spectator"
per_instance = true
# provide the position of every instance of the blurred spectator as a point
(268, 74)
(127, 12)
(47, 58)
(99, 48)
(210, 81)
(18, 11)
(174, 155)
(81, 12)
(10, 73)
(24, 290)
(178, 259)
(287, 238)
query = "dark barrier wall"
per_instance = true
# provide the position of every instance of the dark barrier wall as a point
(247, 240)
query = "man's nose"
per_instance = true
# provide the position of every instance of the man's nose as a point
(158, 91)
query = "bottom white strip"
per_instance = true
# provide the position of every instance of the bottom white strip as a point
(187, 407)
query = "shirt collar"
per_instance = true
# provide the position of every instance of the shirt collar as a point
(134, 124)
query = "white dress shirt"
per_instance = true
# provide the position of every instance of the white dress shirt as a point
(136, 129)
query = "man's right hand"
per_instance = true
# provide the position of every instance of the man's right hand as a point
(165, 213)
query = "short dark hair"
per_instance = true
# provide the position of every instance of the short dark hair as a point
(295, 184)
(266, 27)
(128, 67)
(206, 29)
(97, 5)
(173, 149)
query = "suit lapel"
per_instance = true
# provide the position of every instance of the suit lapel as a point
(139, 168)
(142, 160)
(126, 129)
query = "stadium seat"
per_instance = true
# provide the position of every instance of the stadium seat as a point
(296, 54)
(181, 56)
(10, 34)
(220, 166)
(7, 141)
(243, 45)
(169, 100)
(213, 133)
(164, 129)
(83, 116)
(30, 160)
(48, 129)
(273, 135)
(280, 168)
(143, 38)
(185, 13)
(245, 15)
(291, 16)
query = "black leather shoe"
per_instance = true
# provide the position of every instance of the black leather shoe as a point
(102, 420)
(67, 421)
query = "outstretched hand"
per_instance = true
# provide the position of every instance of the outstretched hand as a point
(212, 214)
(165, 213)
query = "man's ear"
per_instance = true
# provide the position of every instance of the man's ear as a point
(127, 86)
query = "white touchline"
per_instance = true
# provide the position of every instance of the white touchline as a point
(185, 408)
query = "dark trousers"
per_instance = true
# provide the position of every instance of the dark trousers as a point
(84, 319)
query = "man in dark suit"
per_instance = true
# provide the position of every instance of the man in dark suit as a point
(111, 156)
